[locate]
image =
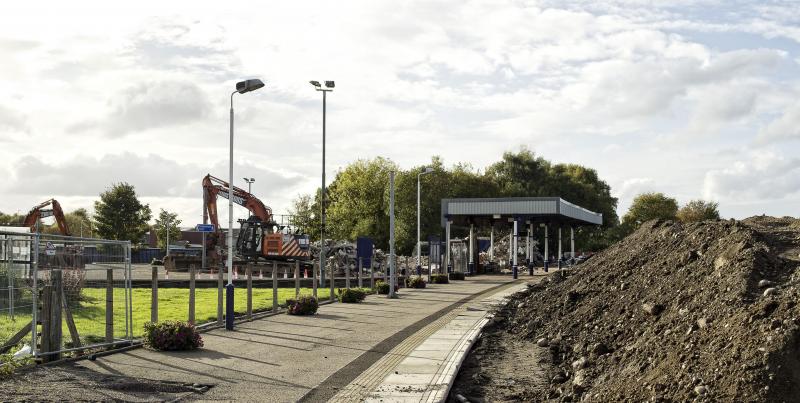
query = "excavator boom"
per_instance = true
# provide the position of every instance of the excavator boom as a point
(39, 212)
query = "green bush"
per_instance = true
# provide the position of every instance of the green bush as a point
(439, 279)
(415, 282)
(8, 364)
(303, 305)
(456, 276)
(351, 295)
(171, 335)
(382, 287)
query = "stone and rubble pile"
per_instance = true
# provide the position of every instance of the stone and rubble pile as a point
(674, 312)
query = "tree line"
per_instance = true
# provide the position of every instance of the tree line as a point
(358, 199)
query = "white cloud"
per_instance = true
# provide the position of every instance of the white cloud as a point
(762, 175)
(786, 127)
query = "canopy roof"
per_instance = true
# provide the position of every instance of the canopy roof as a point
(492, 211)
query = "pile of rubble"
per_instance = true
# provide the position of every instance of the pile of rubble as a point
(704, 311)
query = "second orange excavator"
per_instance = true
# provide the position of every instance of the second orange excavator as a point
(260, 237)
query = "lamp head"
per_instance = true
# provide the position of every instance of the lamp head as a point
(315, 83)
(248, 85)
(428, 170)
(329, 84)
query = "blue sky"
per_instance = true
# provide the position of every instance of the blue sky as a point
(697, 99)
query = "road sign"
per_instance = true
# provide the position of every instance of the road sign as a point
(50, 249)
(205, 227)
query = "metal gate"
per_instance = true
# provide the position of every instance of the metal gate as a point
(75, 293)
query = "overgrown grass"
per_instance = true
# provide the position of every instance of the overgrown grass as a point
(173, 304)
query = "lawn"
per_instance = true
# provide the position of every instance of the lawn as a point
(173, 304)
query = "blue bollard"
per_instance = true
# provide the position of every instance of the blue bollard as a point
(545, 266)
(419, 270)
(559, 264)
(530, 269)
(514, 273)
(229, 306)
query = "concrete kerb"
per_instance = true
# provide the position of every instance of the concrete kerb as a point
(428, 373)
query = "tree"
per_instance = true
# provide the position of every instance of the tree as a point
(305, 213)
(11, 219)
(650, 206)
(79, 223)
(698, 210)
(167, 222)
(120, 215)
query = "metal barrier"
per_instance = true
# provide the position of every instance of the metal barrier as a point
(80, 289)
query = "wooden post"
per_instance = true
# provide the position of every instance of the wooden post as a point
(249, 272)
(109, 305)
(296, 278)
(274, 286)
(333, 286)
(347, 275)
(154, 294)
(219, 296)
(360, 267)
(314, 278)
(372, 274)
(54, 333)
(73, 330)
(192, 276)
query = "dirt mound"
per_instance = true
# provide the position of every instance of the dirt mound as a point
(673, 312)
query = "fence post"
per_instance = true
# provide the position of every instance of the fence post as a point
(192, 275)
(372, 274)
(360, 267)
(51, 313)
(314, 278)
(249, 272)
(109, 305)
(154, 303)
(274, 286)
(296, 278)
(333, 287)
(347, 275)
(219, 295)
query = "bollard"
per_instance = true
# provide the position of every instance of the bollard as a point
(530, 269)
(545, 266)
(274, 287)
(229, 306)
(371, 275)
(333, 290)
(559, 264)
(154, 296)
(514, 272)
(192, 275)
(260, 274)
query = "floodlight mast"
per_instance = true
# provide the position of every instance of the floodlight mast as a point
(329, 85)
(242, 87)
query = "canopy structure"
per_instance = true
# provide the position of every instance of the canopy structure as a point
(524, 215)
(555, 210)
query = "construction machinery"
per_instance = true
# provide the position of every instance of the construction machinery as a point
(39, 212)
(260, 236)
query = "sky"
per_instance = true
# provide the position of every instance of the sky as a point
(696, 99)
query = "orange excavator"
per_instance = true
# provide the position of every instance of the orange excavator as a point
(39, 212)
(260, 237)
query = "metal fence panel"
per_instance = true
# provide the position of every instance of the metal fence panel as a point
(80, 287)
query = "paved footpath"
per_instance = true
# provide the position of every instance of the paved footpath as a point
(295, 358)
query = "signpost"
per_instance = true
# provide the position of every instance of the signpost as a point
(50, 249)
(205, 227)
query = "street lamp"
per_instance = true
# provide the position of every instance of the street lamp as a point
(329, 85)
(249, 190)
(241, 88)
(426, 171)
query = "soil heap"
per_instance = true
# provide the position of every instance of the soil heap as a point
(675, 311)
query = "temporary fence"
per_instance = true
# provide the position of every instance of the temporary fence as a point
(64, 294)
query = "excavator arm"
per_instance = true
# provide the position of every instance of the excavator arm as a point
(214, 187)
(39, 212)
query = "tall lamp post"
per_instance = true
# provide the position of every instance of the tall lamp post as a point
(419, 244)
(329, 85)
(249, 190)
(241, 88)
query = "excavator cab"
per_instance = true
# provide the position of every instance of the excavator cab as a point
(251, 234)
